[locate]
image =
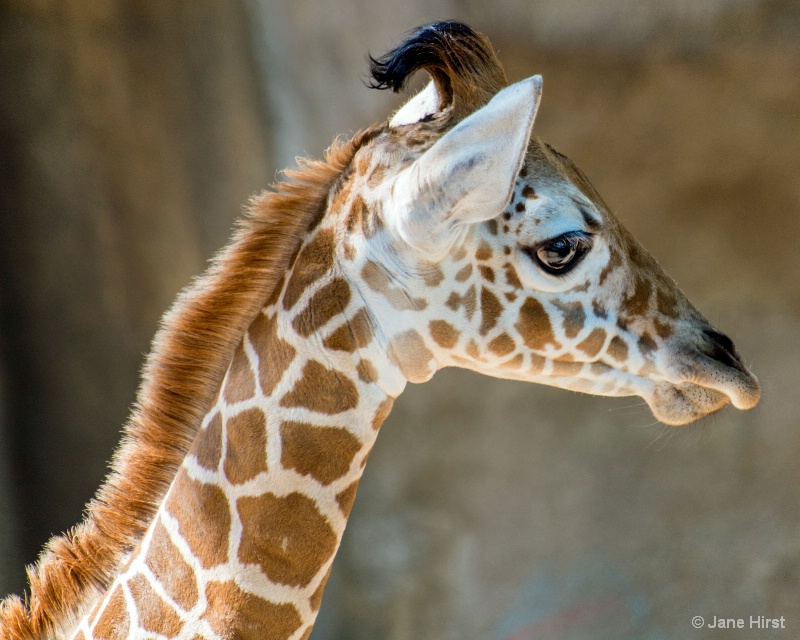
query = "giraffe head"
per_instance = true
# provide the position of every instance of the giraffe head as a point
(476, 245)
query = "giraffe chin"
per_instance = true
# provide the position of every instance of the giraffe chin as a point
(677, 405)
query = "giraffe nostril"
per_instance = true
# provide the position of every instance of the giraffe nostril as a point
(722, 349)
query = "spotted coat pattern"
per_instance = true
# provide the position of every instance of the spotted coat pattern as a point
(243, 541)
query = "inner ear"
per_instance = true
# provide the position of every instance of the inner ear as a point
(422, 105)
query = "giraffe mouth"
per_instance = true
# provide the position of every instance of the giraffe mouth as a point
(705, 385)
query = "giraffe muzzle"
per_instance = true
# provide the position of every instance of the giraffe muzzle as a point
(709, 375)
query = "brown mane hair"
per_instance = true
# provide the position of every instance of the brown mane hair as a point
(461, 62)
(190, 354)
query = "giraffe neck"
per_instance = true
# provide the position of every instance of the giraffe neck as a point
(247, 534)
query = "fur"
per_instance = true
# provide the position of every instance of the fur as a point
(190, 355)
(461, 62)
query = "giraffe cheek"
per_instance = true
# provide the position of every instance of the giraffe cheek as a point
(534, 326)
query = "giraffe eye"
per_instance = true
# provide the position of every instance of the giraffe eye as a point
(558, 255)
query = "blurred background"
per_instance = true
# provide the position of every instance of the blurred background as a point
(132, 131)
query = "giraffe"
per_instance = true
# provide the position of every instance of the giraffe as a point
(448, 235)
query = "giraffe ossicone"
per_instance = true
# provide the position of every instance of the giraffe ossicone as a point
(447, 236)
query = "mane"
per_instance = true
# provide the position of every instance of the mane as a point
(190, 354)
(461, 62)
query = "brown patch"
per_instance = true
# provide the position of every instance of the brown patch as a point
(490, 311)
(204, 520)
(592, 344)
(443, 333)
(667, 302)
(469, 301)
(361, 217)
(378, 280)
(459, 254)
(171, 570)
(599, 310)
(502, 345)
(274, 354)
(241, 384)
(316, 598)
(207, 447)
(362, 163)
(491, 225)
(646, 344)
(329, 301)
(349, 251)
(537, 363)
(155, 615)
(315, 260)
(287, 536)
(534, 326)
(511, 276)
(528, 192)
(574, 317)
(233, 613)
(464, 273)
(487, 273)
(432, 275)
(307, 633)
(114, 621)
(638, 302)
(514, 363)
(614, 261)
(566, 369)
(341, 194)
(346, 498)
(324, 453)
(510, 296)
(275, 296)
(484, 251)
(354, 333)
(412, 355)
(663, 329)
(246, 456)
(474, 351)
(507, 250)
(366, 371)
(323, 390)
(618, 349)
(520, 207)
(382, 412)
(376, 177)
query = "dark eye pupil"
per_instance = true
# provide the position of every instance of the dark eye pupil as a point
(559, 253)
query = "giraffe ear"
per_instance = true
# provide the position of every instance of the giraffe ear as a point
(468, 175)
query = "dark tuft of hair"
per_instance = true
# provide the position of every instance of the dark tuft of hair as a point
(459, 59)
(425, 47)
